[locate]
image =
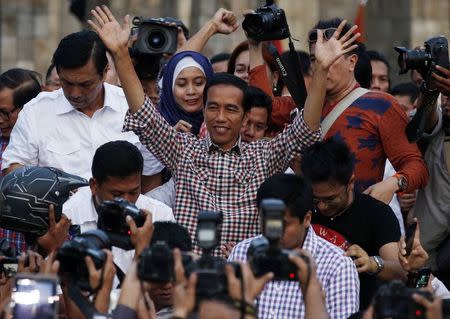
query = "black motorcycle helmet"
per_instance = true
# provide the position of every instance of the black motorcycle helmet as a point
(27, 192)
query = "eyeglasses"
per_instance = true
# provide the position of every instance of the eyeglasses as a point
(6, 114)
(331, 200)
(327, 34)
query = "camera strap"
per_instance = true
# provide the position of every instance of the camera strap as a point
(86, 308)
(293, 80)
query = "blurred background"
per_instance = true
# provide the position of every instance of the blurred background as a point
(30, 30)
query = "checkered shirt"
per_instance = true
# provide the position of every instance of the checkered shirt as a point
(15, 239)
(337, 274)
(208, 178)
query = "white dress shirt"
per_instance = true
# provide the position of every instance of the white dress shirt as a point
(51, 132)
(81, 211)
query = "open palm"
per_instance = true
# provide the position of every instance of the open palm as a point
(113, 35)
(328, 51)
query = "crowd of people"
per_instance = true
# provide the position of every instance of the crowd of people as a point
(179, 134)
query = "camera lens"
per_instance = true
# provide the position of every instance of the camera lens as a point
(156, 39)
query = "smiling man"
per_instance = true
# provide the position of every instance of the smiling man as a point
(63, 128)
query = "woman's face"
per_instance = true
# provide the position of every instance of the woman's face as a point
(188, 89)
(242, 65)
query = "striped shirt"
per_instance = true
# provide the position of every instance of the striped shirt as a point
(336, 273)
(208, 178)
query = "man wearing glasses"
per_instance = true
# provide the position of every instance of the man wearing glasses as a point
(365, 228)
(371, 123)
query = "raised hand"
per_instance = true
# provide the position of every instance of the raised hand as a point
(418, 257)
(114, 36)
(328, 51)
(225, 21)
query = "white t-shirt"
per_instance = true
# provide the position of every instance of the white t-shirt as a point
(81, 211)
(51, 132)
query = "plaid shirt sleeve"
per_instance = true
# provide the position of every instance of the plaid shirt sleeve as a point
(156, 134)
(293, 140)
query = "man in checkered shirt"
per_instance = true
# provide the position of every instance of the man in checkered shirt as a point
(336, 273)
(219, 173)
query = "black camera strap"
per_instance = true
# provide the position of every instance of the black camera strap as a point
(293, 80)
(86, 308)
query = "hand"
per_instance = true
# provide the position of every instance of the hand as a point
(131, 288)
(183, 127)
(328, 51)
(252, 286)
(29, 262)
(114, 36)
(50, 265)
(108, 271)
(56, 234)
(224, 21)
(141, 237)
(184, 290)
(406, 201)
(144, 312)
(383, 191)
(362, 261)
(302, 268)
(433, 308)
(418, 257)
(441, 83)
(227, 249)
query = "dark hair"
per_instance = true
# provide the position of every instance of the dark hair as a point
(24, 83)
(175, 235)
(220, 57)
(328, 160)
(334, 23)
(407, 89)
(256, 97)
(303, 58)
(363, 68)
(75, 50)
(116, 159)
(378, 56)
(295, 192)
(227, 79)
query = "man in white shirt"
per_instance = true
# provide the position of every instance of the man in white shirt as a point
(116, 172)
(64, 128)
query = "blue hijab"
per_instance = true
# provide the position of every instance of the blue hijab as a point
(168, 108)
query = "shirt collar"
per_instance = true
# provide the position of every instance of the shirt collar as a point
(212, 147)
(108, 101)
(310, 243)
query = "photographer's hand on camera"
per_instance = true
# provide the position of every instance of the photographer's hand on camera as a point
(184, 289)
(418, 257)
(433, 307)
(441, 83)
(141, 237)
(29, 262)
(57, 232)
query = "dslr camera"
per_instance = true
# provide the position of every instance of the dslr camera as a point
(264, 253)
(435, 52)
(71, 256)
(112, 220)
(394, 300)
(155, 36)
(266, 23)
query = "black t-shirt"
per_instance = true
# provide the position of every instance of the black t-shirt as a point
(367, 223)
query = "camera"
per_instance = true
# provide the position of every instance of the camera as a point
(8, 265)
(435, 52)
(266, 23)
(72, 253)
(264, 253)
(155, 36)
(156, 263)
(112, 220)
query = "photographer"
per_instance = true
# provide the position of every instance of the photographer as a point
(284, 299)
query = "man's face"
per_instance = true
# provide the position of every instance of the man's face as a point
(82, 86)
(161, 294)
(405, 103)
(224, 114)
(294, 230)
(380, 76)
(331, 197)
(255, 124)
(128, 188)
(151, 90)
(340, 73)
(8, 113)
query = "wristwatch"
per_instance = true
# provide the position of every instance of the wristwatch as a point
(380, 265)
(401, 182)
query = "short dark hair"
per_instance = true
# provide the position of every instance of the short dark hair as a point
(363, 68)
(258, 98)
(378, 56)
(75, 50)
(223, 78)
(116, 159)
(295, 192)
(24, 83)
(408, 89)
(220, 57)
(334, 23)
(328, 160)
(175, 235)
